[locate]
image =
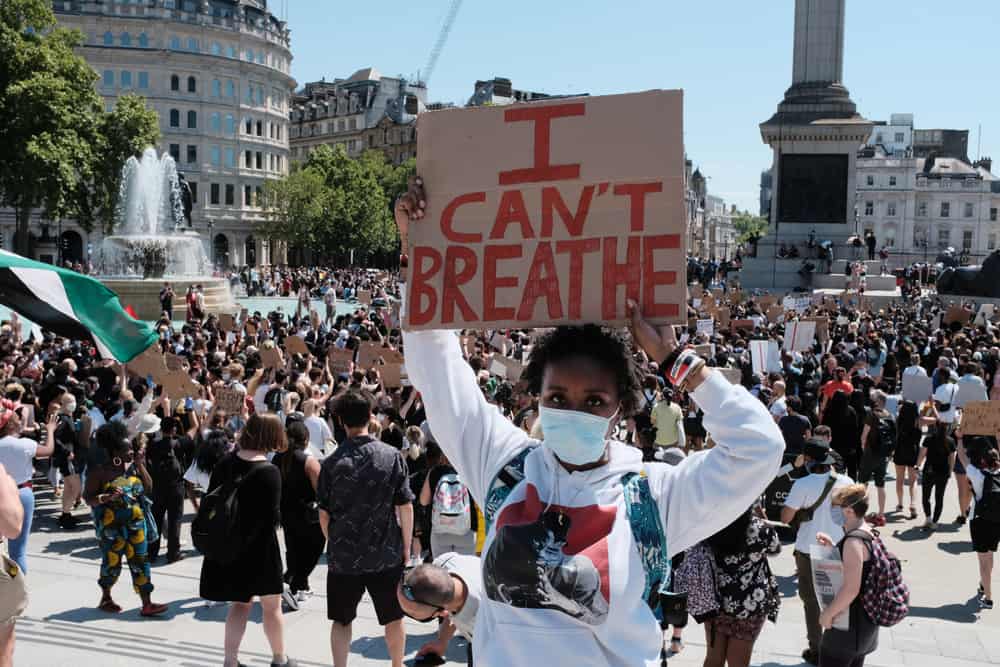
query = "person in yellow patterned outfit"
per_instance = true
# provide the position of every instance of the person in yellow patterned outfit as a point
(115, 490)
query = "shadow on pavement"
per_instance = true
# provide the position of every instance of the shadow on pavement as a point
(911, 534)
(959, 613)
(956, 547)
(788, 585)
(374, 648)
(131, 613)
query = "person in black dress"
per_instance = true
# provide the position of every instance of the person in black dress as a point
(304, 541)
(843, 423)
(905, 457)
(258, 571)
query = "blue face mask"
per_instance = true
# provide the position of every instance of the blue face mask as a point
(576, 438)
(837, 514)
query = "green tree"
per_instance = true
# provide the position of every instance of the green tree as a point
(393, 178)
(124, 132)
(49, 117)
(749, 226)
(295, 208)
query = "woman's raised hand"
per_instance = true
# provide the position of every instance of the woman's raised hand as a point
(657, 342)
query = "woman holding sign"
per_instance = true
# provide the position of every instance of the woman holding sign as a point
(573, 552)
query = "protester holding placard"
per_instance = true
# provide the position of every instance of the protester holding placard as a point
(587, 382)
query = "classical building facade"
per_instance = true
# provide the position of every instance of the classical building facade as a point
(366, 111)
(217, 73)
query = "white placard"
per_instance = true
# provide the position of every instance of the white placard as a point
(917, 388)
(799, 335)
(706, 327)
(828, 578)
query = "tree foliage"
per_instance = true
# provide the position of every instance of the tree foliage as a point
(334, 204)
(749, 226)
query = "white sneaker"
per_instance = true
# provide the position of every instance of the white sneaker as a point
(302, 596)
(289, 599)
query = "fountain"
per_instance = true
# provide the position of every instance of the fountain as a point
(154, 243)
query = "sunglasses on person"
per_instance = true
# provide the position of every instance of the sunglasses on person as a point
(408, 594)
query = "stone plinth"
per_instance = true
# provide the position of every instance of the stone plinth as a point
(144, 295)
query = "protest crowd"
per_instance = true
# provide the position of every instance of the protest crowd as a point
(474, 478)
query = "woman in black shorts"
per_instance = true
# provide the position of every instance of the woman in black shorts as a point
(905, 457)
(985, 524)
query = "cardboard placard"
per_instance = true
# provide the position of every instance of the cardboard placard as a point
(766, 300)
(705, 351)
(390, 356)
(986, 312)
(723, 315)
(695, 291)
(822, 327)
(775, 313)
(226, 322)
(149, 363)
(174, 362)
(969, 392)
(499, 342)
(295, 345)
(981, 418)
(706, 327)
(271, 358)
(957, 314)
(251, 329)
(799, 336)
(368, 355)
(512, 368)
(177, 384)
(340, 360)
(392, 375)
(734, 375)
(365, 297)
(916, 388)
(564, 214)
(765, 356)
(229, 399)
(748, 325)
(735, 297)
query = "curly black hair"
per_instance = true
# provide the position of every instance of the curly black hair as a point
(606, 346)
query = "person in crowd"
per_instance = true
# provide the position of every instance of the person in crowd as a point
(809, 502)
(212, 446)
(908, 436)
(842, 420)
(984, 476)
(257, 570)
(304, 539)
(915, 368)
(167, 458)
(848, 648)
(449, 589)
(838, 382)
(946, 412)
(668, 421)
(116, 490)
(778, 406)
(795, 427)
(11, 523)
(320, 435)
(454, 519)
(588, 382)
(878, 439)
(936, 461)
(748, 591)
(69, 454)
(16, 456)
(366, 513)
(167, 300)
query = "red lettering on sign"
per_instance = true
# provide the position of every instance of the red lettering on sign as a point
(511, 209)
(637, 206)
(451, 293)
(543, 281)
(448, 215)
(552, 201)
(542, 118)
(628, 273)
(651, 277)
(492, 282)
(577, 248)
(420, 286)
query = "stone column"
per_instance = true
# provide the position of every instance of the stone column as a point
(819, 41)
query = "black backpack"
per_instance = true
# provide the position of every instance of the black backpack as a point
(988, 506)
(164, 466)
(886, 436)
(216, 530)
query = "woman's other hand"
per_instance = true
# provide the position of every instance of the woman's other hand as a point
(410, 207)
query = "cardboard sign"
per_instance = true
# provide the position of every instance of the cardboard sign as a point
(226, 322)
(695, 291)
(723, 315)
(957, 314)
(340, 360)
(229, 399)
(797, 303)
(251, 329)
(799, 336)
(766, 300)
(295, 345)
(775, 313)
(985, 313)
(392, 375)
(175, 362)
(916, 388)
(365, 297)
(177, 384)
(499, 342)
(705, 351)
(369, 354)
(271, 358)
(149, 363)
(734, 375)
(765, 356)
(748, 325)
(706, 327)
(512, 368)
(391, 356)
(969, 392)
(822, 327)
(981, 418)
(735, 297)
(554, 212)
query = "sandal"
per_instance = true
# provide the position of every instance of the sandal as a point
(110, 606)
(152, 609)
(676, 646)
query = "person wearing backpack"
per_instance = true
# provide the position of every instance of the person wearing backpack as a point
(878, 441)
(985, 524)
(848, 648)
(235, 529)
(454, 519)
(167, 459)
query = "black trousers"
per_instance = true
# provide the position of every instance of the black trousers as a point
(938, 484)
(304, 543)
(168, 510)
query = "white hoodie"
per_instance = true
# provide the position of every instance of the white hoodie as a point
(562, 577)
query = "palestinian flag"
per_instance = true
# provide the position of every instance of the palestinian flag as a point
(72, 305)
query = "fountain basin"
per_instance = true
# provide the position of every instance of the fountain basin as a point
(144, 295)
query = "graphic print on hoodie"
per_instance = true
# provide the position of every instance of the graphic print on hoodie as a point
(551, 557)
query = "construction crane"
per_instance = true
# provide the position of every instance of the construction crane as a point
(449, 21)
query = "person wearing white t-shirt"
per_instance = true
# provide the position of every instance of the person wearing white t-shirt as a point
(804, 494)
(320, 435)
(915, 368)
(985, 530)
(779, 403)
(16, 454)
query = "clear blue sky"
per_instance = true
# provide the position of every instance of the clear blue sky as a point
(731, 57)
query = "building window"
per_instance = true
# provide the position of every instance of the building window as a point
(260, 96)
(192, 154)
(175, 118)
(900, 137)
(143, 40)
(946, 183)
(192, 119)
(215, 122)
(258, 160)
(250, 95)
(230, 125)
(216, 51)
(109, 39)
(109, 78)
(870, 181)
(869, 208)
(993, 215)
(143, 80)
(250, 55)
(175, 152)
(214, 155)
(230, 155)
(967, 240)
(230, 88)
(175, 82)
(248, 126)
(248, 159)
(126, 79)
(192, 85)
(213, 194)
(969, 210)
(944, 238)
(247, 195)
(192, 45)
(922, 209)
(945, 209)
(230, 194)
(260, 129)
(125, 39)
(231, 52)
(991, 241)
(258, 196)
(260, 57)
(353, 124)
(194, 191)
(890, 209)
(175, 43)
(340, 125)
(216, 88)
(892, 181)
